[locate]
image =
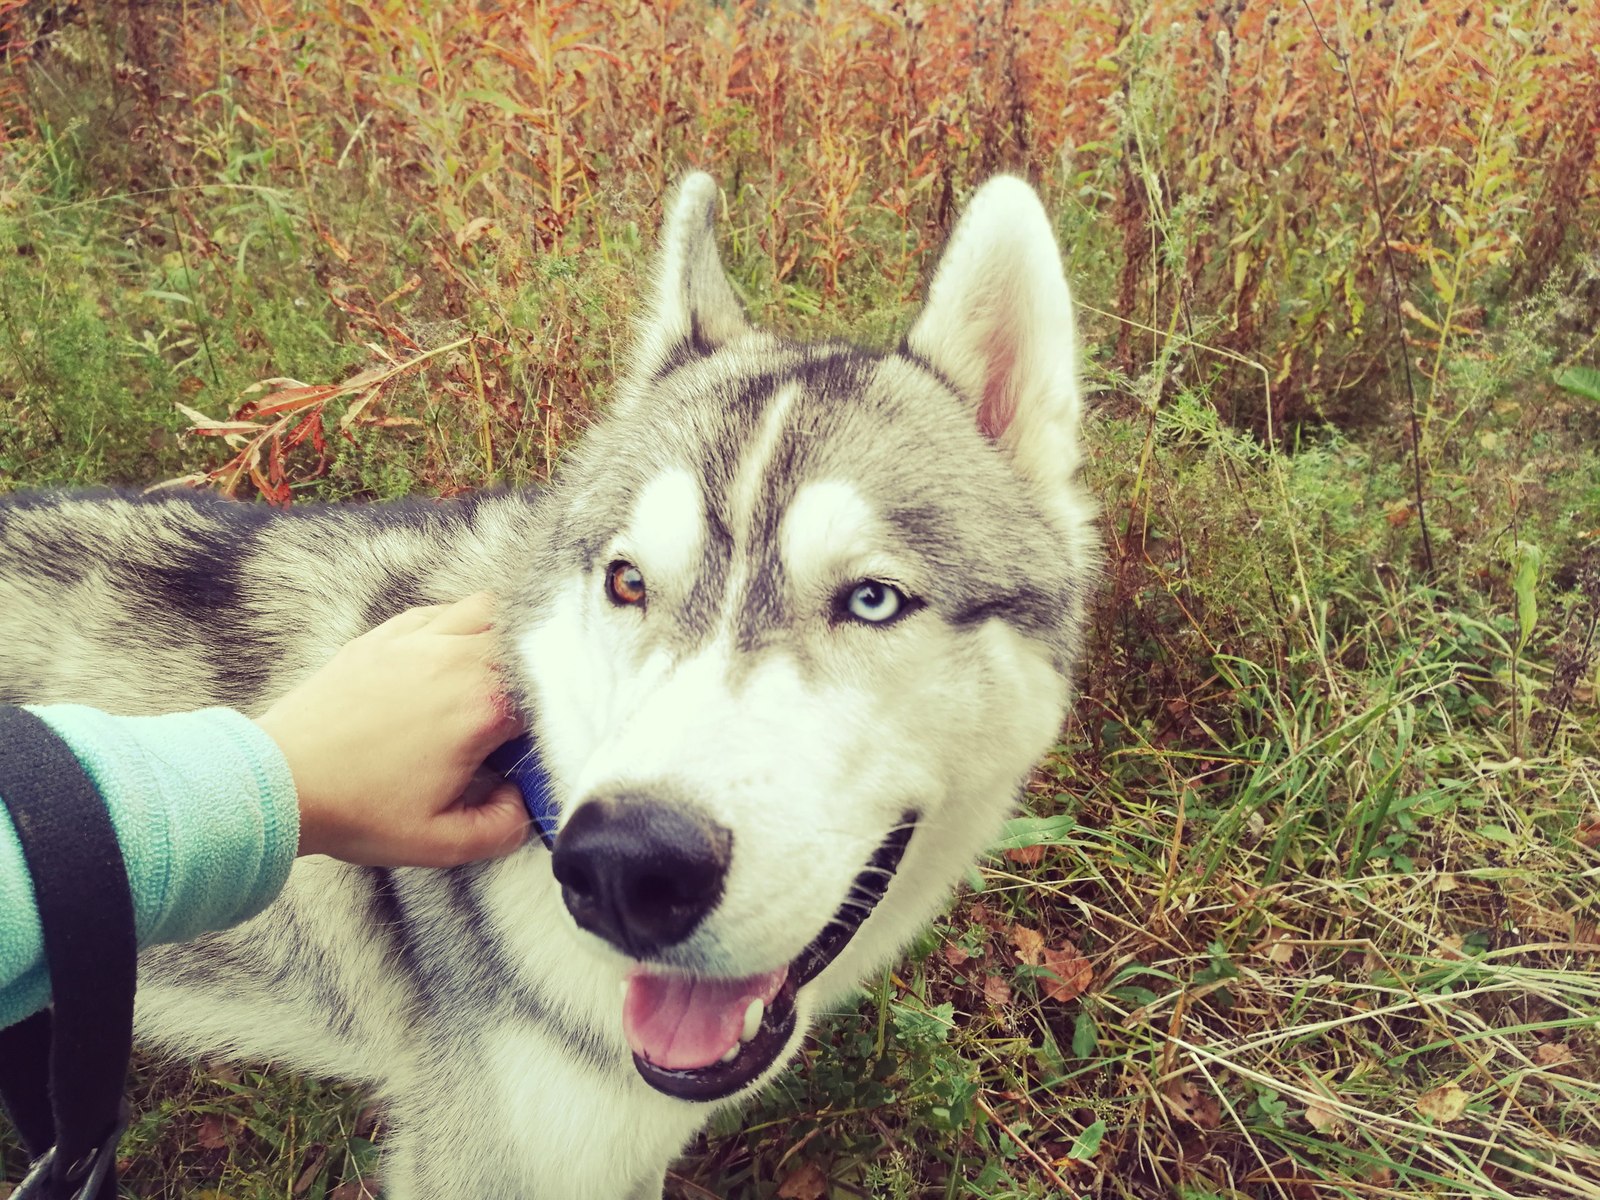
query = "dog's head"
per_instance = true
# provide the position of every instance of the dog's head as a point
(805, 621)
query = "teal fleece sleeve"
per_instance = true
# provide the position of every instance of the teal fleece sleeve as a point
(205, 810)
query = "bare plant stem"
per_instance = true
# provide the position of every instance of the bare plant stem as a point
(1049, 1172)
(1585, 657)
(1393, 308)
(200, 316)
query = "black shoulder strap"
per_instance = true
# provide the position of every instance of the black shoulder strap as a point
(86, 914)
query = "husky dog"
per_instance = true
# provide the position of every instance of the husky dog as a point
(791, 629)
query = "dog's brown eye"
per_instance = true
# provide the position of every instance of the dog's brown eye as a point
(624, 583)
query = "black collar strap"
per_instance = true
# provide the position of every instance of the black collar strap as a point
(80, 884)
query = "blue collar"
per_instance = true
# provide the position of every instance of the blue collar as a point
(518, 760)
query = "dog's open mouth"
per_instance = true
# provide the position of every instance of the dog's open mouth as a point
(704, 1039)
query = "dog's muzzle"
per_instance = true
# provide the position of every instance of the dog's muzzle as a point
(643, 876)
(639, 873)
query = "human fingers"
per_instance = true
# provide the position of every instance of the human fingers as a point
(490, 829)
(410, 620)
(487, 719)
(473, 614)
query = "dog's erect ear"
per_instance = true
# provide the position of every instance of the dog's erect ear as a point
(998, 324)
(693, 308)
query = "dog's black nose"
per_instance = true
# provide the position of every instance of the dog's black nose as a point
(640, 873)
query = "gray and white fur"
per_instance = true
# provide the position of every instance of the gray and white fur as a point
(756, 484)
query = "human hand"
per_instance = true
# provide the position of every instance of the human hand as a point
(384, 740)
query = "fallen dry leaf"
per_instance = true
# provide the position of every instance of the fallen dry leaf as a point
(996, 991)
(1417, 315)
(1026, 856)
(1450, 948)
(955, 954)
(226, 1072)
(1554, 1055)
(1189, 1104)
(472, 231)
(355, 1189)
(1029, 944)
(1276, 949)
(1324, 1118)
(805, 1182)
(309, 1174)
(213, 1133)
(1071, 970)
(339, 249)
(1443, 1104)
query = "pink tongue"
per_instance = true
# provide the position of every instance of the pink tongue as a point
(681, 1023)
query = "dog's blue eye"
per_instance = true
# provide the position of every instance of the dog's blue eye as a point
(875, 602)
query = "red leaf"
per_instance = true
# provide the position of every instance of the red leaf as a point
(805, 1182)
(996, 991)
(1071, 970)
(1029, 944)
(1188, 1103)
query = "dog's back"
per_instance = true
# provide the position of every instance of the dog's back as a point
(131, 602)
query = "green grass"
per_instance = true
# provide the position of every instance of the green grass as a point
(1324, 825)
(107, 322)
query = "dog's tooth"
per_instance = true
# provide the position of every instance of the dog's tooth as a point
(733, 1053)
(752, 1019)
